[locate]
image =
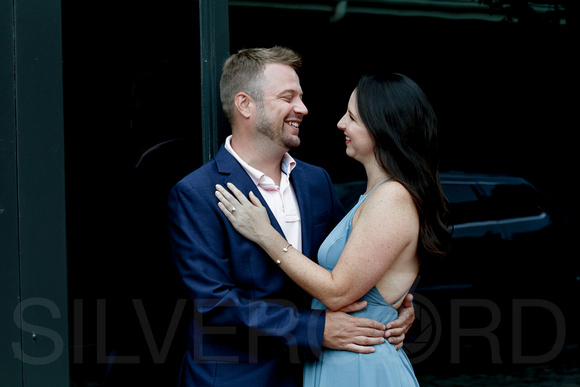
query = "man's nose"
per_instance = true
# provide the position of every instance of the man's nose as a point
(301, 108)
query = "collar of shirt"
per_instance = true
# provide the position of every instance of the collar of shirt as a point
(259, 178)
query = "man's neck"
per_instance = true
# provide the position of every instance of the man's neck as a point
(261, 158)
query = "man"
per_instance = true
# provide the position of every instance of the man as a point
(252, 325)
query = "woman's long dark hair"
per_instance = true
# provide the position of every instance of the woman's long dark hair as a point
(403, 125)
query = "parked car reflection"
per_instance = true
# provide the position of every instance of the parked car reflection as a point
(503, 227)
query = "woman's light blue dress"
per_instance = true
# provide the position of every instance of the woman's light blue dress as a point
(386, 366)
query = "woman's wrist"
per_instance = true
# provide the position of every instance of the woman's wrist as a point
(274, 243)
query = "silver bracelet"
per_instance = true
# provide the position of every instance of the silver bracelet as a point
(285, 249)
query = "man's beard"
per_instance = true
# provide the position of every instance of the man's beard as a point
(265, 127)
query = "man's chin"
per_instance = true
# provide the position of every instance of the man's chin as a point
(292, 142)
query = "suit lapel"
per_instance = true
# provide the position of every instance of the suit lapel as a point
(228, 165)
(301, 188)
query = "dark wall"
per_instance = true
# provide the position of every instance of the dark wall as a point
(131, 81)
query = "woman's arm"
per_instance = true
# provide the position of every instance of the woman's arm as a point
(366, 258)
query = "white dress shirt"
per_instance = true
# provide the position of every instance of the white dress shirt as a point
(281, 199)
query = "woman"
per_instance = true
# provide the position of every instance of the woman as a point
(375, 252)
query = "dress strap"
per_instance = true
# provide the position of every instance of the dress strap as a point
(378, 185)
(400, 298)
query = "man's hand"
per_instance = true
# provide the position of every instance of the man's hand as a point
(396, 330)
(355, 334)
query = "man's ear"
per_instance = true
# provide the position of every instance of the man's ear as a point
(245, 104)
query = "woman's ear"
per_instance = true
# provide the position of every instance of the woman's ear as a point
(244, 103)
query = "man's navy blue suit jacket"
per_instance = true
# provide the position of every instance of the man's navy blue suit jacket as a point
(252, 325)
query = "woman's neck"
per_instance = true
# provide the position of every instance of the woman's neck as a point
(375, 175)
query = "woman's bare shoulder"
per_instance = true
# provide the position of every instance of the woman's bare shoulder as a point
(389, 205)
(391, 193)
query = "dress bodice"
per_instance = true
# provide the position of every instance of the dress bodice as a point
(386, 366)
(328, 255)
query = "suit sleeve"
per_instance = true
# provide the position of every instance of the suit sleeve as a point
(228, 277)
